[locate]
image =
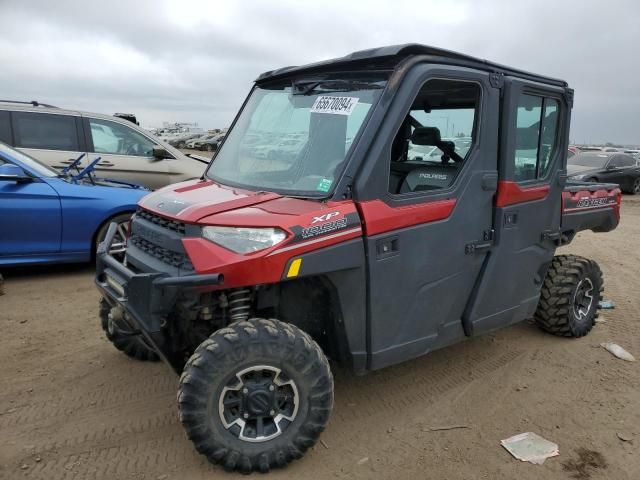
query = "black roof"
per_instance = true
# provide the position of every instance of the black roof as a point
(389, 57)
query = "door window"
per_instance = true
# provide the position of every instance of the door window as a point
(45, 131)
(114, 138)
(5, 127)
(622, 161)
(535, 146)
(435, 138)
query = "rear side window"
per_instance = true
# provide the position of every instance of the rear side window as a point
(45, 131)
(622, 161)
(536, 136)
(5, 127)
(114, 138)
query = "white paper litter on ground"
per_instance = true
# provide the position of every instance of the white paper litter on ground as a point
(530, 447)
(618, 351)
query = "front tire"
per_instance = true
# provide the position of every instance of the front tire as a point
(570, 296)
(134, 346)
(255, 395)
(635, 187)
(119, 244)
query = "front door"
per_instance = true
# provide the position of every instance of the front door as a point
(428, 233)
(30, 218)
(125, 154)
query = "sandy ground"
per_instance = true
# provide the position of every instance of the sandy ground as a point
(71, 406)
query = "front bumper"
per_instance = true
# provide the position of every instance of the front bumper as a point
(147, 298)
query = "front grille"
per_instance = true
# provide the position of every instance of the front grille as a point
(175, 259)
(174, 225)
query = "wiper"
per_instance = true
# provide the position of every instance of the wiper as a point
(87, 171)
(75, 163)
(308, 87)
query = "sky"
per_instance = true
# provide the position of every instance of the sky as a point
(195, 60)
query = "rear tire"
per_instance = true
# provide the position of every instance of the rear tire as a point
(134, 347)
(570, 296)
(255, 395)
(635, 187)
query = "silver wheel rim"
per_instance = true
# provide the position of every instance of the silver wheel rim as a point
(119, 243)
(583, 298)
(636, 186)
(252, 427)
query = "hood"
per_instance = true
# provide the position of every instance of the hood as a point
(573, 170)
(191, 201)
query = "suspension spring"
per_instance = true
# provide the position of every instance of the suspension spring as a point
(239, 304)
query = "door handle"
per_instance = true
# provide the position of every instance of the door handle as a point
(489, 182)
(479, 246)
(387, 247)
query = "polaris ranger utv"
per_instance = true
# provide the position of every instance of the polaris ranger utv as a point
(367, 209)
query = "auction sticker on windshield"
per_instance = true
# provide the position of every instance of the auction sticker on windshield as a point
(334, 105)
(324, 185)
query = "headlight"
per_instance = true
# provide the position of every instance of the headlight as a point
(244, 240)
(578, 177)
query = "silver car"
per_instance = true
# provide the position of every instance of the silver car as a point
(127, 152)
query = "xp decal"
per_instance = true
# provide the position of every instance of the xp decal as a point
(325, 224)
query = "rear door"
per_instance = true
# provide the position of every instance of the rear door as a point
(54, 139)
(428, 217)
(534, 138)
(125, 154)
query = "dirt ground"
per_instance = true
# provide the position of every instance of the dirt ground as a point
(71, 406)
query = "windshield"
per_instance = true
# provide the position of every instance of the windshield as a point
(589, 160)
(293, 137)
(9, 154)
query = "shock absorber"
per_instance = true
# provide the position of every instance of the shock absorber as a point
(239, 304)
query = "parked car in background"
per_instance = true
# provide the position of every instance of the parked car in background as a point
(53, 217)
(181, 139)
(609, 167)
(572, 150)
(213, 143)
(129, 153)
(198, 142)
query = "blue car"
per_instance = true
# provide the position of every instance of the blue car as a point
(49, 217)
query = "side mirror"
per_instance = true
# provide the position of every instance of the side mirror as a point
(612, 167)
(160, 153)
(13, 173)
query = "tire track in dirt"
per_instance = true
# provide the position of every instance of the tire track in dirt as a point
(78, 399)
(153, 440)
